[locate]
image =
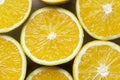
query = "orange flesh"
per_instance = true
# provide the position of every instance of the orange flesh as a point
(10, 61)
(96, 55)
(95, 19)
(38, 29)
(12, 11)
(50, 74)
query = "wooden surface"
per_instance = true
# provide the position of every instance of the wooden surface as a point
(37, 4)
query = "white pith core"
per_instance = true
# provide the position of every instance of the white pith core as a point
(2, 2)
(107, 8)
(51, 36)
(103, 70)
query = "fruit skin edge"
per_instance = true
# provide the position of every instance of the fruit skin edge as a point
(55, 3)
(5, 30)
(90, 33)
(38, 70)
(16, 43)
(84, 48)
(34, 59)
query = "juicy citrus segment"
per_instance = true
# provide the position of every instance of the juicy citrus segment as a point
(13, 13)
(55, 1)
(100, 18)
(98, 60)
(12, 60)
(49, 36)
(51, 73)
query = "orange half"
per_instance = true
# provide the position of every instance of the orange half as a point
(52, 36)
(13, 13)
(12, 60)
(49, 73)
(55, 1)
(98, 60)
(100, 18)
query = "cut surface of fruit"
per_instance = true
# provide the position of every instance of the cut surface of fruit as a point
(13, 13)
(49, 73)
(52, 36)
(12, 60)
(100, 18)
(55, 1)
(98, 60)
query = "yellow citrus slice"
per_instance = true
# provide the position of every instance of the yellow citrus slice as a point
(49, 73)
(98, 60)
(55, 1)
(52, 36)
(100, 18)
(13, 13)
(12, 60)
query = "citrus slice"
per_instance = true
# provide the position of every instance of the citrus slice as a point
(52, 36)
(100, 18)
(12, 60)
(13, 13)
(49, 73)
(98, 60)
(55, 1)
